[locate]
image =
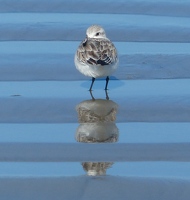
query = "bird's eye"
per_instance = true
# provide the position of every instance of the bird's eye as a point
(97, 34)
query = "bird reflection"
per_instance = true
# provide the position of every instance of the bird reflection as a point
(97, 125)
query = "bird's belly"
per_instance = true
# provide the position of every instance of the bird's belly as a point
(96, 70)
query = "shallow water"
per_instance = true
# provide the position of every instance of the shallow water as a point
(55, 102)
(135, 139)
(175, 170)
(65, 133)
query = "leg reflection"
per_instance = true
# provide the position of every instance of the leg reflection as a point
(92, 96)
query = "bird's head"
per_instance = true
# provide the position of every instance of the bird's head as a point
(95, 31)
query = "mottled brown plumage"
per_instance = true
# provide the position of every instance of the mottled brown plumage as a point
(91, 51)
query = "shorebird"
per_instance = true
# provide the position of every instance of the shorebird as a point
(96, 56)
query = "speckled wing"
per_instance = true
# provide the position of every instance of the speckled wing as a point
(97, 52)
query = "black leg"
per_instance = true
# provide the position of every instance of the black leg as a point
(93, 79)
(107, 80)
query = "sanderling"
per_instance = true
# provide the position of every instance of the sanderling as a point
(96, 56)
